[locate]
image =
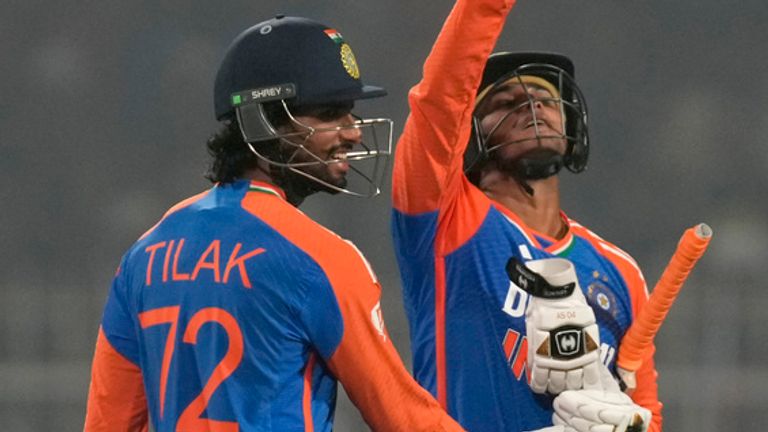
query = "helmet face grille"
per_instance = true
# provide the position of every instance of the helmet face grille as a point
(564, 93)
(293, 63)
(367, 160)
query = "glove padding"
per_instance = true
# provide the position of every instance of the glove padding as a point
(599, 411)
(559, 428)
(563, 337)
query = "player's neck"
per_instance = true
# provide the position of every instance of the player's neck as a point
(259, 174)
(295, 191)
(540, 211)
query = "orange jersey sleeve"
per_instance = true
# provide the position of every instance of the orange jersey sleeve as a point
(371, 371)
(365, 361)
(429, 155)
(116, 400)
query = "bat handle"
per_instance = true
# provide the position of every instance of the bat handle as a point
(640, 335)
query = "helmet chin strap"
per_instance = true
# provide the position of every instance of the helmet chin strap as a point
(536, 165)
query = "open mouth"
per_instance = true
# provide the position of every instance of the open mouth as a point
(339, 159)
(339, 155)
(535, 123)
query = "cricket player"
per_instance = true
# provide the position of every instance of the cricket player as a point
(476, 196)
(236, 311)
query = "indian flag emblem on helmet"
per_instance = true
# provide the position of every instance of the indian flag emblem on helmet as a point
(349, 62)
(334, 35)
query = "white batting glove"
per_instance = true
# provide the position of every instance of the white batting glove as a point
(559, 428)
(599, 411)
(563, 338)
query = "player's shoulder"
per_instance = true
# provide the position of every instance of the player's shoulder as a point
(613, 253)
(149, 235)
(322, 244)
(174, 209)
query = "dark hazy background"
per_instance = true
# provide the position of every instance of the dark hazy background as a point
(105, 107)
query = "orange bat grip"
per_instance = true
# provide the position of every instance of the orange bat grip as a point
(640, 335)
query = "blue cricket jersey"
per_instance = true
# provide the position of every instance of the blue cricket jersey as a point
(452, 242)
(237, 312)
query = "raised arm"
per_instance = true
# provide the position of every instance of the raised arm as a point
(429, 154)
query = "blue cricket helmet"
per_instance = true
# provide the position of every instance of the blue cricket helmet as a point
(261, 65)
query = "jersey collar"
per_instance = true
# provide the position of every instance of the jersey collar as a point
(263, 187)
(559, 247)
(562, 246)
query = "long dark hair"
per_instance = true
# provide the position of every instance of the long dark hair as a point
(231, 155)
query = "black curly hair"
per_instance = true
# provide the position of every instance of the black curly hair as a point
(231, 155)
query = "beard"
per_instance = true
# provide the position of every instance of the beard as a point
(296, 181)
(322, 172)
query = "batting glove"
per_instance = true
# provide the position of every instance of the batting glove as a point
(599, 411)
(563, 338)
(559, 428)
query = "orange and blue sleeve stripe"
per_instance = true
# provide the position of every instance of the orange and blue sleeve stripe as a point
(434, 203)
(364, 359)
(116, 399)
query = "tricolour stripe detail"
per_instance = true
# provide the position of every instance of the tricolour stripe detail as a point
(564, 247)
(309, 425)
(257, 186)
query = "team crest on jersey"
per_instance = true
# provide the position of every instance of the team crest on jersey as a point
(599, 295)
(349, 62)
